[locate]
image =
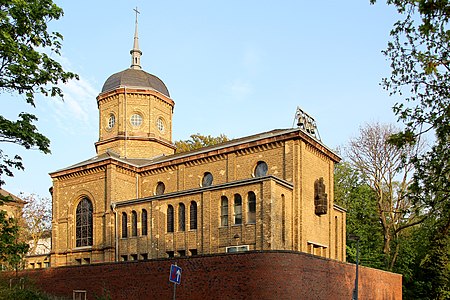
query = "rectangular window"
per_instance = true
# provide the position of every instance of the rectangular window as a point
(170, 253)
(134, 257)
(79, 295)
(193, 252)
(234, 249)
(181, 253)
(144, 256)
(124, 257)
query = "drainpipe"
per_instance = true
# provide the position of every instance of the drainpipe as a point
(116, 240)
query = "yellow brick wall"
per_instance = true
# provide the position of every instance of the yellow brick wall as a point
(285, 216)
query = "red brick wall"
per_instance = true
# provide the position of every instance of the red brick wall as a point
(251, 275)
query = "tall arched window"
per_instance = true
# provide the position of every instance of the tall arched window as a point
(84, 223)
(170, 218)
(237, 209)
(124, 225)
(133, 223)
(181, 217)
(144, 222)
(193, 215)
(223, 211)
(251, 211)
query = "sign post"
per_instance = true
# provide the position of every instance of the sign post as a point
(175, 277)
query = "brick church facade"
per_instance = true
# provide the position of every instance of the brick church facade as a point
(138, 199)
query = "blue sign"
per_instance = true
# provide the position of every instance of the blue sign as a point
(175, 274)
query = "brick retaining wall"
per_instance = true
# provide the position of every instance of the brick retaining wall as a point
(249, 275)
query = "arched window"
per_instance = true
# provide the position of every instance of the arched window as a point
(133, 223)
(251, 211)
(160, 188)
(124, 225)
(261, 169)
(144, 222)
(193, 215)
(84, 223)
(223, 211)
(170, 218)
(237, 209)
(181, 217)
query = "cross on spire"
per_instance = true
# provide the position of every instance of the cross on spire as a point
(136, 52)
(137, 12)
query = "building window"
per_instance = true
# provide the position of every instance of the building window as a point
(144, 222)
(136, 120)
(160, 125)
(160, 188)
(133, 223)
(193, 215)
(261, 169)
(84, 223)
(111, 121)
(124, 225)
(170, 218)
(181, 217)
(207, 179)
(234, 249)
(237, 209)
(223, 211)
(251, 212)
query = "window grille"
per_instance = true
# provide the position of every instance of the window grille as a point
(84, 223)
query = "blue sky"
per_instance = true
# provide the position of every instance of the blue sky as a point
(232, 67)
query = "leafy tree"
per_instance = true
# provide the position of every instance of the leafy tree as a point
(198, 141)
(383, 168)
(26, 68)
(12, 250)
(420, 61)
(359, 199)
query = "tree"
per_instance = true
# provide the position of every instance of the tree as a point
(37, 215)
(387, 171)
(420, 61)
(198, 141)
(26, 68)
(359, 199)
(12, 249)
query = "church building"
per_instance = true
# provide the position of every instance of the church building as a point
(139, 199)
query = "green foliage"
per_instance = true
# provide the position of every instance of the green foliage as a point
(420, 72)
(26, 68)
(12, 250)
(21, 289)
(198, 141)
(358, 198)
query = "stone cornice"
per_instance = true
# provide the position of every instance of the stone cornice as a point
(247, 181)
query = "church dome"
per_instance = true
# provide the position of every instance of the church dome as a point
(135, 78)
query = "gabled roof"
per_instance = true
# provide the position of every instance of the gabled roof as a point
(232, 145)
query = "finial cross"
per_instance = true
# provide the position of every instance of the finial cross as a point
(137, 12)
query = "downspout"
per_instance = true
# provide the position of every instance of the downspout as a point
(116, 240)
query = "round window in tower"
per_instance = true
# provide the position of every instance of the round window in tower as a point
(136, 120)
(160, 124)
(111, 121)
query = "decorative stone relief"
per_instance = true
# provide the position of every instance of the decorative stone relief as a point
(320, 197)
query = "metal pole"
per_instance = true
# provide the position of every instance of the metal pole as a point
(355, 291)
(174, 291)
(174, 288)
